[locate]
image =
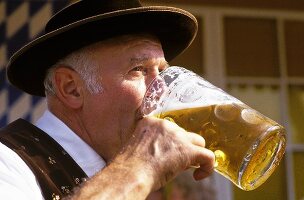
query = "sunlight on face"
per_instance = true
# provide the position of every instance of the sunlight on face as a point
(127, 65)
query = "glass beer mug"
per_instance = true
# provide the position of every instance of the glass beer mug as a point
(247, 145)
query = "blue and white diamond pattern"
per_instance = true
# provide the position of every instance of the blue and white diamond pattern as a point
(20, 22)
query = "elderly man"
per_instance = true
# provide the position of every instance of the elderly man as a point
(93, 65)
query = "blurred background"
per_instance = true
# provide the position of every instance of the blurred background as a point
(253, 49)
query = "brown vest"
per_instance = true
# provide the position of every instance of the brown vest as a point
(56, 172)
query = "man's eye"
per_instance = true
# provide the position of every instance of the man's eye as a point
(138, 68)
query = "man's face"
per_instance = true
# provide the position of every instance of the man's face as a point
(126, 69)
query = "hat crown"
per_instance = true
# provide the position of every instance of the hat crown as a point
(87, 8)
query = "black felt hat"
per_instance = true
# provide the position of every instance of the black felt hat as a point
(89, 21)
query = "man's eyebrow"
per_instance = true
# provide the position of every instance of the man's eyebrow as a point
(164, 62)
(139, 59)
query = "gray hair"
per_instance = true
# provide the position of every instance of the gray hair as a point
(83, 63)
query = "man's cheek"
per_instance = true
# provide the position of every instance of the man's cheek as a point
(136, 94)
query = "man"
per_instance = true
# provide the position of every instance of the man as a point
(94, 65)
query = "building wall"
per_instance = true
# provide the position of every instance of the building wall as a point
(290, 5)
(255, 51)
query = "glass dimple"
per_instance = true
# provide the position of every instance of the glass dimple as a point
(226, 112)
(250, 116)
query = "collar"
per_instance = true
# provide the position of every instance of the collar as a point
(81, 152)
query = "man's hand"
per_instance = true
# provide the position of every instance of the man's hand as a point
(166, 150)
(156, 153)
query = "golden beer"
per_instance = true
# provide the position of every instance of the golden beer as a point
(248, 146)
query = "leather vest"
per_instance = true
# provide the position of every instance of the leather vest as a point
(56, 172)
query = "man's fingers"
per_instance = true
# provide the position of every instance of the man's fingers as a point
(196, 139)
(201, 173)
(206, 160)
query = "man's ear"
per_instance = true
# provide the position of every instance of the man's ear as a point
(69, 87)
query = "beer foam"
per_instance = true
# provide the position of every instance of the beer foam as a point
(178, 88)
(191, 98)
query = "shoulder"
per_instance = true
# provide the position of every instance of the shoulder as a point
(16, 178)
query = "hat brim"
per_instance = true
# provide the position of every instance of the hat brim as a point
(174, 27)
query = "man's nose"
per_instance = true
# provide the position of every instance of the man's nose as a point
(154, 74)
(155, 71)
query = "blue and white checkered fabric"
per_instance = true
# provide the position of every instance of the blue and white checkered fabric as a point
(20, 22)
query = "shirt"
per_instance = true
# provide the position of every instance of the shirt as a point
(17, 181)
